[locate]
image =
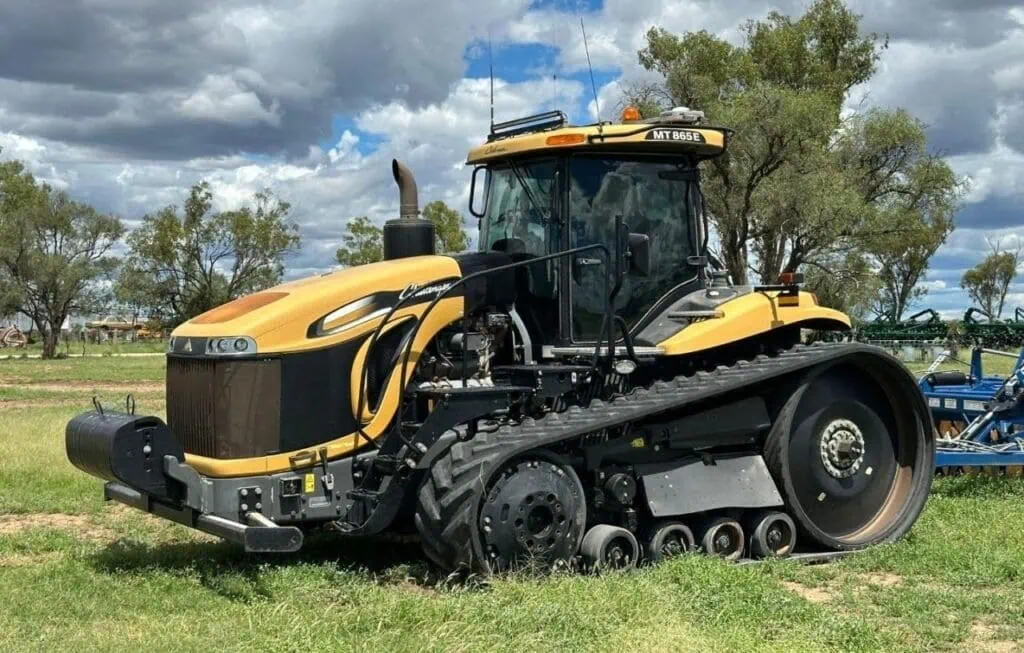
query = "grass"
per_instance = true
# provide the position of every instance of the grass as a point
(75, 372)
(77, 347)
(77, 574)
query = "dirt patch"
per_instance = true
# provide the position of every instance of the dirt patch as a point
(135, 387)
(77, 524)
(27, 560)
(881, 579)
(985, 639)
(812, 594)
(23, 404)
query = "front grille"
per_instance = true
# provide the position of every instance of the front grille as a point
(191, 405)
(224, 408)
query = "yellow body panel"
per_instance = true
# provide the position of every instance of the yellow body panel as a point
(628, 134)
(747, 316)
(281, 326)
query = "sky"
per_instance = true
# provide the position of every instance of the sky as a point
(126, 103)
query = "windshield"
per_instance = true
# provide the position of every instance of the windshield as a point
(656, 198)
(519, 209)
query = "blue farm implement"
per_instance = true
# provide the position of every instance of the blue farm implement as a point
(980, 419)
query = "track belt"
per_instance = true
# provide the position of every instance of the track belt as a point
(663, 396)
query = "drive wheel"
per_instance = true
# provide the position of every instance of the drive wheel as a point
(851, 454)
(476, 513)
(535, 512)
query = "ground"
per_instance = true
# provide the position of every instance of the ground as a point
(77, 574)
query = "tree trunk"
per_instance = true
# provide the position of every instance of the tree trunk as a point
(50, 336)
(736, 264)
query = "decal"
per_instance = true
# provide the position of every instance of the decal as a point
(310, 483)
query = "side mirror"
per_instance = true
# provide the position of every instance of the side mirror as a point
(477, 212)
(640, 254)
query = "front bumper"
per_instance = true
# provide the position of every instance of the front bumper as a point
(259, 535)
(145, 468)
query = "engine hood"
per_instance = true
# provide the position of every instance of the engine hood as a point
(305, 314)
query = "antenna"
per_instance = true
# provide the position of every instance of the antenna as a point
(593, 86)
(490, 62)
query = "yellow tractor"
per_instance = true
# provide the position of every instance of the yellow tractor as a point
(587, 388)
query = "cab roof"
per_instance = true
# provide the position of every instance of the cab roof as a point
(550, 132)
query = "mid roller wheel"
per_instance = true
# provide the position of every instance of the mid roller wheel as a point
(609, 547)
(668, 540)
(772, 535)
(723, 538)
(852, 455)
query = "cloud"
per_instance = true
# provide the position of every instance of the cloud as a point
(176, 80)
(328, 186)
(128, 102)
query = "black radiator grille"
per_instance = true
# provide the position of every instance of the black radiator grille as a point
(191, 404)
(222, 408)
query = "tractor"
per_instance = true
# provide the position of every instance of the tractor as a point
(587, 388)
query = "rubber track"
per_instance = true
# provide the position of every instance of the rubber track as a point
(448, 498)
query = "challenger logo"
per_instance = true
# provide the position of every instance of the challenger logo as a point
(426, 292)
(673, 135)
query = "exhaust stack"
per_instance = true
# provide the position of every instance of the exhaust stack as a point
(408, 235)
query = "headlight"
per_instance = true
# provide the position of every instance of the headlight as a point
(231, 346)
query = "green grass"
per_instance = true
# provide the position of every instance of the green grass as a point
(70, 371)
(77, 347)
(77, 574)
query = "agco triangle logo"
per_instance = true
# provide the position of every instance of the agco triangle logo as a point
(188, 346)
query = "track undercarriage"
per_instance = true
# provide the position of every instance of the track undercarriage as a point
(735, 461)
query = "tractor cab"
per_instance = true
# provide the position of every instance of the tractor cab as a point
(541, 186)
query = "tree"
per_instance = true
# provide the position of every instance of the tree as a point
(782, 92)
(803, 184)
(53, 251)
(193, 261)
(449, 236)
(901, 264)
(988, 282)
(133, 289)
(363, 241)
(846, 282)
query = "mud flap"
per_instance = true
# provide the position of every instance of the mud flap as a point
(698, 486)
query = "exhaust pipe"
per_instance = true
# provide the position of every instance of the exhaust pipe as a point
(408, 235)
(407, 193)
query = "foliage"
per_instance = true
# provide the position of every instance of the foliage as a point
(363, 241)
(846, 283)
(189, 262)
(802, 184)
(53, 252)
(988, 282)
(450, 237)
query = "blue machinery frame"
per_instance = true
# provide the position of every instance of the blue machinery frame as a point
(988, 409)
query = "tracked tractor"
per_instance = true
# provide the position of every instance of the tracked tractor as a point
(587, 387)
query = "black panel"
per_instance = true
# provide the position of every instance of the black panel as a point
(660, 327)
(496, 289)
(404, 238)
(316, 404)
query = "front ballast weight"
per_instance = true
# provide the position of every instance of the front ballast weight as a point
(144, 467)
